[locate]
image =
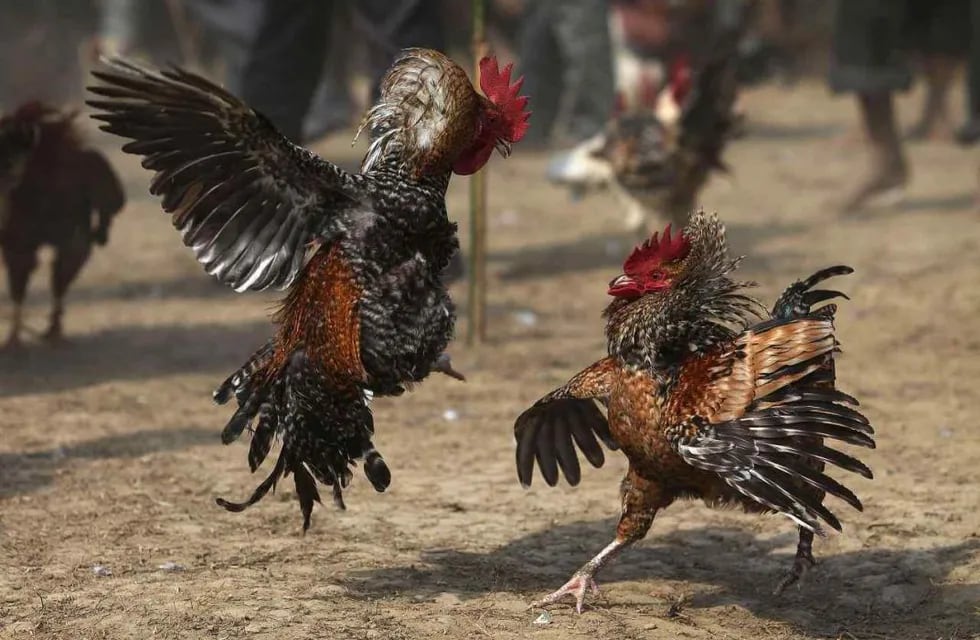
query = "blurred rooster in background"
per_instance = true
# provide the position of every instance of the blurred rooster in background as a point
(657, 151)
(53, 191)
(363, 254)
(706, 399)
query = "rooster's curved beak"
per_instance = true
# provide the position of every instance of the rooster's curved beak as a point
(503, 147)
(619, 283)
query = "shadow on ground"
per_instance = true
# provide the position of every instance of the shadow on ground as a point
(952, 202)
(22, 473)
(128, 353)
(802, 131)
(880, 593)
(609, 251)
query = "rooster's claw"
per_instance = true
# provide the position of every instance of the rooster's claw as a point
(443, 364)
(579, 584)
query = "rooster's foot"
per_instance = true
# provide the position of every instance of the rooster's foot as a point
(444, 364)
(580, 583)
(802, 564)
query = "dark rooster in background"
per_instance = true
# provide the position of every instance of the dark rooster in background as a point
(656, 154)
(361, 253)
(53, 191)
(706, 398)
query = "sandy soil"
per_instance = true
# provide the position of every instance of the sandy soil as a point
(110, 456)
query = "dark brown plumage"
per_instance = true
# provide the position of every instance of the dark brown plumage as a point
(705, 398)
(362, 254)
(53, 192)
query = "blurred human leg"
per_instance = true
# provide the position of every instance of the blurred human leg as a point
(393, 26)
(285, 62)
(889, 170)
(582, 32)
(867, 61)
(541, 66)
(939, 31)
(969, 133)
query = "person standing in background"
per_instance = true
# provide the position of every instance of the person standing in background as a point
(867, 60)
(969, 133)
(938, 32)
(286, 59)
(566, 61)
(40, 45)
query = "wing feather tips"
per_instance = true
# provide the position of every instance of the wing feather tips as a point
(525, 432)
(124, 79)
(549, 433)
(763, 453)
(207, 148)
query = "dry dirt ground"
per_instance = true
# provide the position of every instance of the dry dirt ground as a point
(109, 454)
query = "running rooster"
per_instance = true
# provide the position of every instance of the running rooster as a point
(706, 398)
(656, 154)
(361, 254)
(54, 191)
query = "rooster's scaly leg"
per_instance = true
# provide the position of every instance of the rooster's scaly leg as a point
(642, 499)
(583, 580)
(68, 262)
(20, 263)
(444, 364)
(801, 563)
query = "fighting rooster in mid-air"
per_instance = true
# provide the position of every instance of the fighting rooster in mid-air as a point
(707, 395)
(54, 191)
(656, 154)
(362, 254)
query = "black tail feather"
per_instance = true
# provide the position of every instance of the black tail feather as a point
(377, 471)
(324, 429)
(797, 299)
(265, 432)
(238, 383)
(306, 492)
(269, 483)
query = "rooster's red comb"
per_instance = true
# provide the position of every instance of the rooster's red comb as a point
(656, 251)
(498, 89)
(680, 78)
(33, 110)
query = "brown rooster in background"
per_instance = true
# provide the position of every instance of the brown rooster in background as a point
(656, 154)
(367, 311)
(53, 191)
(706, 399)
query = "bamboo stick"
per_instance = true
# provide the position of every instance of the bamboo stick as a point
(477, 327)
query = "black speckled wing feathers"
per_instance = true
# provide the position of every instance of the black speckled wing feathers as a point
(246, 200)
(566, 419)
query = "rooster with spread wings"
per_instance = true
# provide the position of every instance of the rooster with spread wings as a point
(361, 254)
